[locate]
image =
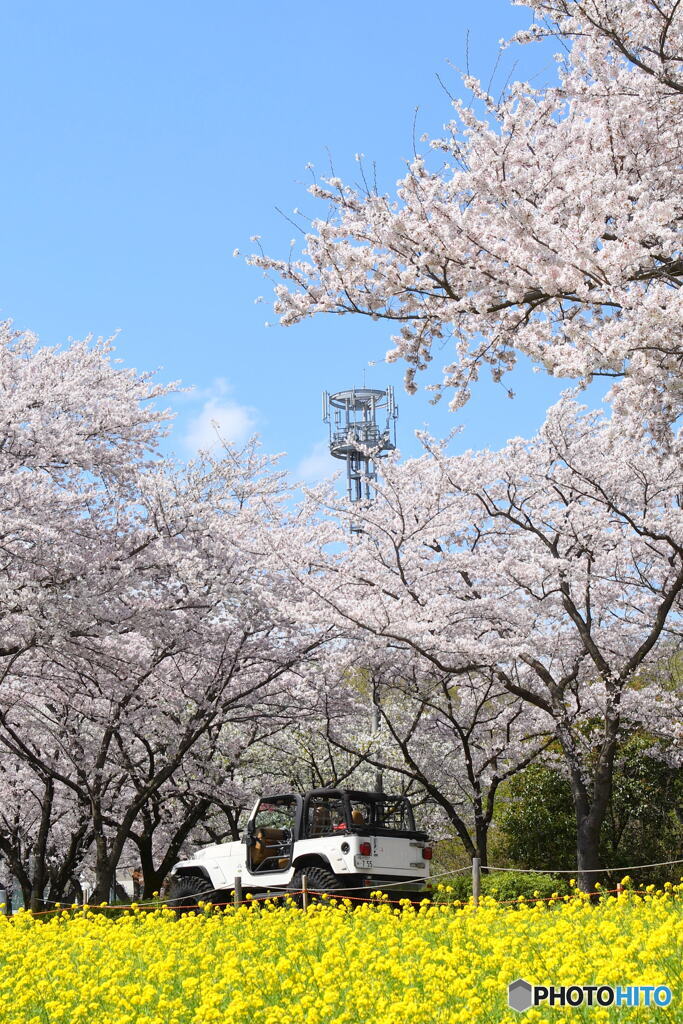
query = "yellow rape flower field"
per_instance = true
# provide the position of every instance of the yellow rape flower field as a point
(376, 964)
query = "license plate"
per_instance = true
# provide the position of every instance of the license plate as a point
(362, 862)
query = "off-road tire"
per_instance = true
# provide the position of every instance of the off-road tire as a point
(320, 882)
(186, 891)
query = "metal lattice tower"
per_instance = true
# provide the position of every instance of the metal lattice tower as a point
(362, 424)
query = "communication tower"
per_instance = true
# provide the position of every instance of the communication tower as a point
(362, 424)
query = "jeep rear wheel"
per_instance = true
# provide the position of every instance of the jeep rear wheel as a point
(186, 891)
(319, 881)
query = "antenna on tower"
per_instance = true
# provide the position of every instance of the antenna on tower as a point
(362, 424)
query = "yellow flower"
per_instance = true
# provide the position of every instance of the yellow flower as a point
(379, 963)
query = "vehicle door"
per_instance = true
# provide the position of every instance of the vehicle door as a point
(271, 835)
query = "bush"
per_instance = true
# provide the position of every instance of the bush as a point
(536, 825)
(508, 885)
(503, 886)
(457, 888)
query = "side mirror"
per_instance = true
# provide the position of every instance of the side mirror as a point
(248, 834)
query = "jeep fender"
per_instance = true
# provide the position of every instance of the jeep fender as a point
(189, 867)
(310, 860)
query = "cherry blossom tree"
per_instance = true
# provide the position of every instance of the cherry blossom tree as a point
(139, 631)
(454, 739)
(208, 798)
(45, 835)
(555, 565)
(551, 227)
(190, 639)
(75, 430)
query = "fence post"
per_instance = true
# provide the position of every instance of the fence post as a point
(3, 899)
(237, 892)
(31, 877)
(304, 891)
(476, 880)
(620, 888)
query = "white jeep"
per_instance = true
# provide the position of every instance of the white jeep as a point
(345, 841)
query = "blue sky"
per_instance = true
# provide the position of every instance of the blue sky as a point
(145, 142)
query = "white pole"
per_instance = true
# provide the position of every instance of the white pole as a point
(476, 880)
(379, 782)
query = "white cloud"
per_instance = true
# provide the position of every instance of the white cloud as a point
(220, 419)
(317, 465)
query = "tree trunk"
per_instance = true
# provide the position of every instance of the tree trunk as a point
(38, 858)
(62, 875)
(11, 849)
(104, 882)
(587, 852)
(105, 872)
(482, 840)
(591, 796)
(152, 877)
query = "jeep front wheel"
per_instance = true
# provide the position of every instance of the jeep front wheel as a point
(186, 891)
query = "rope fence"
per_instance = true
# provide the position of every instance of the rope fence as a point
(126, 908)
(345, 893)
(440, 874)
(575, 871)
